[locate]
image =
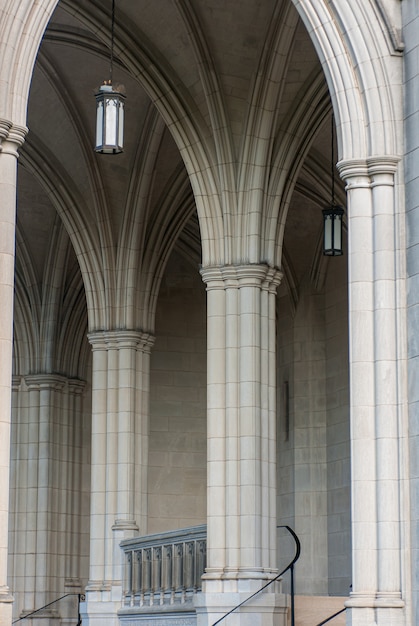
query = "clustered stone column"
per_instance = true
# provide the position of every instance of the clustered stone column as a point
(46, 488)
(376, 408)
(241, 517)
(120, 397)
(11, 138)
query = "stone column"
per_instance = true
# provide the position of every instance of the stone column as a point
(45, 484)
(74, 480)
(376, 401)
(11, 137)
(241, 553)
(121, 370)
(46, 477)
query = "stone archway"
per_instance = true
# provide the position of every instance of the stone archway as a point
(367, 109)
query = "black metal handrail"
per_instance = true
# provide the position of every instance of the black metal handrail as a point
(331, 617)
(80, 598)
(289, 567)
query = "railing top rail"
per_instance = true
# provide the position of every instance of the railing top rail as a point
(172, 536)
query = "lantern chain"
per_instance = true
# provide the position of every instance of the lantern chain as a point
(112, 41)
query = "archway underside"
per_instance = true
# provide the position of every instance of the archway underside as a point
(227, 165)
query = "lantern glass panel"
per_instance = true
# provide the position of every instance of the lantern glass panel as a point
(109, 120)
(99, 124)
(332, 233)
(121, 125)
(328, 232)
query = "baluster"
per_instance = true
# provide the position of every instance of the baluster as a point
(172, 574)
(157, 574)
(167, 573)
(128, 595)
(178, 571)
(139, 578)
(147, 576)
(189, 567)
(202, 561)
(164, 574)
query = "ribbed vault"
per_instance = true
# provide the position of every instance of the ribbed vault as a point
(226, 133)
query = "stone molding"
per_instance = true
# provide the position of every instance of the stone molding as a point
(5, 595)
(56, 382)
(76, 386)
(125, 524)
(237, 276)
(388, 601)
(16, 382)
(116, 339)
(170, 620)
(359, 173)
(45, 381)
(12, 136)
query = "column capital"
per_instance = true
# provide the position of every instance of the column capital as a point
(237, 276)
(382, 165)
(45, 381)
(76, 386)
(16, 382)
(116, 339)
(12, 137)
(361, 172)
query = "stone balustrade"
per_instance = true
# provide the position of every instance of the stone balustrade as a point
(165, 569)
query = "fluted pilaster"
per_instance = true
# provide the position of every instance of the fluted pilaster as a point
(376, 362)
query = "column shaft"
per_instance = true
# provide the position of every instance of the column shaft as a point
(10, 139)
(119, 449)
(386, 394)
(241, 422)
(375, 400)
(241, 552)
(362, 388)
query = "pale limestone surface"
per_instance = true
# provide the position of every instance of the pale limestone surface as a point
(282, 399)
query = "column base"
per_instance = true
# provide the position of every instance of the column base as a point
(101, 605)
(383, 610)
(269, 608)
(6, 607)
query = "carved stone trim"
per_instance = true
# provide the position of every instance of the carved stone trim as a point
(115, 339)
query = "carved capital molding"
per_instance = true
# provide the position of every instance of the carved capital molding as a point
(117, 339)
(368, 172)
(12, 136)
(53, 382)
(16, 382)
(76, 386)
(238, 276)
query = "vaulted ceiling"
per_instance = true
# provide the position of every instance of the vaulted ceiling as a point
(193, 71)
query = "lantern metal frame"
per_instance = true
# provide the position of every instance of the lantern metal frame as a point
(332, 215)
(332, 230)
(110, 109)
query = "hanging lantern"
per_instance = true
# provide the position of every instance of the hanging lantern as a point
(332, 216)
(110, 110)
(109, 120)
(332, 231)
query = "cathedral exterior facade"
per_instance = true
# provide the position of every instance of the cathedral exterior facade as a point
(186, 380)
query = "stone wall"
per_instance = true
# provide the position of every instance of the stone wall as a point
(177, 470)
(313, 439)
(411, 74)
